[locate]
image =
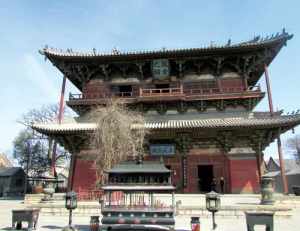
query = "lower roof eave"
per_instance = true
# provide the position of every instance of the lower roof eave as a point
(280, 122)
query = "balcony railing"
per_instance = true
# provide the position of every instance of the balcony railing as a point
(89, 195)
(161, 91)
(165, 92)
(123, 94)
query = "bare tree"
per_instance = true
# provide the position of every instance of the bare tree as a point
(120, 133)
(41, 145)
(293, 146)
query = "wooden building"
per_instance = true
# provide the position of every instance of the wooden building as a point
(12, 181)
(198, 104)
(292, 172)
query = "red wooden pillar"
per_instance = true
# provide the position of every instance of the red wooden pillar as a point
(282, 168)
(60, 116)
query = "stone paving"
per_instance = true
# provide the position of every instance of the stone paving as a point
(53, 223)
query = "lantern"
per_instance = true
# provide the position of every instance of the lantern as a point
(213, 204)
(94, 223)
(71, 200)
(213, 201)
(195, 224)
(71, 203)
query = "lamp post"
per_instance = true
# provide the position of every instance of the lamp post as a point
(195, 224)
(213, 204)
(71, 203)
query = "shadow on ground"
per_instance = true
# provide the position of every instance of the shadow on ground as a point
(11, 229)
(82, 227)
(52, 227)
(247, 203)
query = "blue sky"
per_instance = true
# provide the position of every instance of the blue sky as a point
(26, 26)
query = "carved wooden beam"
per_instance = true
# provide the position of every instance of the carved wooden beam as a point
(225, 139)
(140, 67)
(104, 69)
(180, 64)
(183, 142)
(219, 65)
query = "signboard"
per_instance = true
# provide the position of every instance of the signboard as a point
(160, 68)
(162, 149)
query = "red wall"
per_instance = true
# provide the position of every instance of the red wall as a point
(243, 176)
(85, 175)
(220, 168)
(240, 175)
(95, 89)
(231, 83)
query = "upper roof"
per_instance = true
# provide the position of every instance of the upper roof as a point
(9, 171)
(255, 43)
(71, 63)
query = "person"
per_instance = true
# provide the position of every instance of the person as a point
(214, 184)
(199, 184)
(222, 183)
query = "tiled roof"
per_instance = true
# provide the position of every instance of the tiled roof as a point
(256, 42)
(9, 171)
(289, 164)
(292, 167)
(208, 123)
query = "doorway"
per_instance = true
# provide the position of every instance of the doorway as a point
(125, 90)
(205, 176)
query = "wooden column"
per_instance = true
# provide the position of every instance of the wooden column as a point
(282, 168)
(71, 172)
(60, 117)
(259, 160)
(219, 83)
(183, 140)
(269, 90)
(245, 83)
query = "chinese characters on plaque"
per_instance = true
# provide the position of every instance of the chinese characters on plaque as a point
(160, 68)
(162, 149)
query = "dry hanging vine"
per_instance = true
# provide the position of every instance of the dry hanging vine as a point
(120, 133)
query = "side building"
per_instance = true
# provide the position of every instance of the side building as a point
(198, 104)
(12, 181)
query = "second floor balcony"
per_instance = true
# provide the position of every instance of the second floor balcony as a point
(141, 94)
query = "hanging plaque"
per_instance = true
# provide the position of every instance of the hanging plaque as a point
(162, 149)
(160, 68)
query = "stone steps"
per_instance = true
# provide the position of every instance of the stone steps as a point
(36, 198)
